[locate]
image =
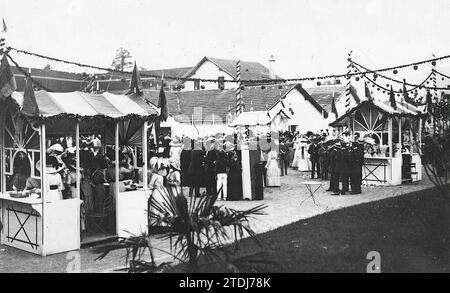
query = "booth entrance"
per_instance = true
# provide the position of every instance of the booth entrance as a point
(40, 217)
(393, 136)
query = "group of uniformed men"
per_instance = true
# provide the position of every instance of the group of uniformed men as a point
(342, 159)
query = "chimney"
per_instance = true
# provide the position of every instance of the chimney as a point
(272, 67)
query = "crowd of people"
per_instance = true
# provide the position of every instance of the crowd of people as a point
(327, 157)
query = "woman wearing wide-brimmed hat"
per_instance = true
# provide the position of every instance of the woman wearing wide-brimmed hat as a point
(53, 181)
(174, 177)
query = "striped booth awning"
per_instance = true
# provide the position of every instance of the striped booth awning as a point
(48, 105)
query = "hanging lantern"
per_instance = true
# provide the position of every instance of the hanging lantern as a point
(375, 76)
(433, 63)
(319, 83)
(395, 71)
(263, 87)
(357, 78)
(242, 87)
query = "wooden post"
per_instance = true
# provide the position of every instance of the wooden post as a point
(400, 134)
(77, 170)
(144, 156)
(2, 150)
(390, 132)
(419, 140)
(43, 184)
(77, 155)
(116, 173)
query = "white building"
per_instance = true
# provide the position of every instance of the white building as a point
(224, 70)
(312, 107)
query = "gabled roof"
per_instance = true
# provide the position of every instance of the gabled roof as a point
(218, 102)
(403, 110)
(323, 94)
(309, 98)
(249, 70)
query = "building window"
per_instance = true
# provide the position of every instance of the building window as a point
(221, 82)
(196, 84)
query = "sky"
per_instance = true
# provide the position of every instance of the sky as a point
(306, 37)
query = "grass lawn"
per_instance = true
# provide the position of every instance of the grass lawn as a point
(340, 240)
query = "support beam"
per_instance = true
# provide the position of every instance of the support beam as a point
(43, 184)
(78, 172)
(144, 155)
(390, 136)
(116, 173)
(400, 134)
(77, 155)
(2, 150)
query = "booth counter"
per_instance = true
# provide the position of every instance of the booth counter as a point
(23, 225)
(382, 171)
(131, 212)
(379, 170)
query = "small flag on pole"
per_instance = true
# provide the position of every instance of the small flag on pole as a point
(392, 101)
(7, 81)
(333, 106)
(429, 102)
(367, 92)
(135, 80)
(30, 106)
(162, 103)
(5, 28)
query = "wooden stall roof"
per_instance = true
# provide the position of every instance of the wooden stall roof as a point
(403, 110)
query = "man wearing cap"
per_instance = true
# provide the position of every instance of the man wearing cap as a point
(345, 163)
(314, 157)
(335, 155)
(357, 163)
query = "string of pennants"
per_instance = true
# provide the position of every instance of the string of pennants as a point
(357, 73)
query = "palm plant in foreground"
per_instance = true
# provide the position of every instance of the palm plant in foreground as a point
(199, 233)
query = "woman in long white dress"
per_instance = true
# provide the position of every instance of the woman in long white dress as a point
(303, 161)
(297, 153)
(273, 170)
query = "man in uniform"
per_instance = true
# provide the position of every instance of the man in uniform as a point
(357, 164)
(314, 157)
(345, 163)
(335, 155)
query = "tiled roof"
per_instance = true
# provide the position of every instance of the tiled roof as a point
(218, 102)
(58, 81)
(249, 70)
(323, 94)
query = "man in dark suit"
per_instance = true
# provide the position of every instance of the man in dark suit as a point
(314, 157)
(196, 168)
(345, 163)
(335, 157)
(357, 163)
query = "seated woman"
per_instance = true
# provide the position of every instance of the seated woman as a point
(21, 171)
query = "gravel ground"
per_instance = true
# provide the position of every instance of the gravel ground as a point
(283, 207)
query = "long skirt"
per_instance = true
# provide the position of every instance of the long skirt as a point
(273, 174)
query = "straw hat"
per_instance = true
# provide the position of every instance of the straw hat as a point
(175, 164)
(175, 141)
(369, 140)
(55, 148)
(229, 146)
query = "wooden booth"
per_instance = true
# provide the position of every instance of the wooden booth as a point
(392, 138)
(31, 220)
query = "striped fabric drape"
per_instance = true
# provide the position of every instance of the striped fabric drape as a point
(238, 89)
